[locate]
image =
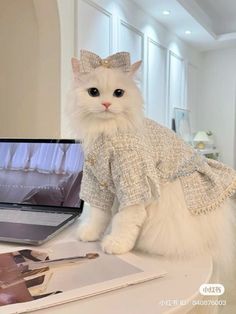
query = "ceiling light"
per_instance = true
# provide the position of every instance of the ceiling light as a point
(188, 32)
(166, 12)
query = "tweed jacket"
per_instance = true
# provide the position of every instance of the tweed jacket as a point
(131, 166)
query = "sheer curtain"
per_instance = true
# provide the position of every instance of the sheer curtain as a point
(41, 157)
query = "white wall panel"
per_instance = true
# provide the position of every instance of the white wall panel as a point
(131, 40)
(156, 81)
(192, 92)
(176, 83)
(93, 28)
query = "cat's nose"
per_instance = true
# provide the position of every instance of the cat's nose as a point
(106, 104)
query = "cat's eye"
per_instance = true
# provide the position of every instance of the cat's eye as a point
(93, 92)
(118, 92)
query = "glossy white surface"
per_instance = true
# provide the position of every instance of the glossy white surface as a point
(181, 283)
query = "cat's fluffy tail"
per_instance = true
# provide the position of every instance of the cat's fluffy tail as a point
(171, 230)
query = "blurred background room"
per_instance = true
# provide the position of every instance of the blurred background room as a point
(188, 48)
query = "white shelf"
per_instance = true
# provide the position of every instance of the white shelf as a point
(213, 152)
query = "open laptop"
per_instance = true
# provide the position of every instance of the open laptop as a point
(39, 188)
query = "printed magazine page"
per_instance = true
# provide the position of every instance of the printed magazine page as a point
(32, 279)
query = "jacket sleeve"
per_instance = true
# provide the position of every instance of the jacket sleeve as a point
(134, 177)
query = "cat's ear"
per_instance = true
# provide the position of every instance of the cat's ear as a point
(134, 67)
(75, 68)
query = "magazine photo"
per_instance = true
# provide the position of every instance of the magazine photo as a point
(32, 279)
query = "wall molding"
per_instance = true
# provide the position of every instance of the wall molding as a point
(99, 9)
(160, 46)
(173, 54)
(188, 65)
(169, 106)
(133, 29)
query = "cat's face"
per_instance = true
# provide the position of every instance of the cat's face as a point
(105, 101)
(107, 94)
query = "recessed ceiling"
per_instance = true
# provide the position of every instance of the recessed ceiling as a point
(212, 22)
(222, 13)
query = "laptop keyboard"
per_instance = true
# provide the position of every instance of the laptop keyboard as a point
(30, 217)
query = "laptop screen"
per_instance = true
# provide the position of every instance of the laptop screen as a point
(41, 172)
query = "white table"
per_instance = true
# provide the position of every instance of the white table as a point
(182, 282)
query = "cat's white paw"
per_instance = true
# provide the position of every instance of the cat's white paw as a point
(116, 245)
(87, 232)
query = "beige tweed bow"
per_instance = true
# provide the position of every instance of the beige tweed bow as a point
(90, 61)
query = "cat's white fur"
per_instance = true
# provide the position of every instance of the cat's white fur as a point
(88, 118)
(160, 227)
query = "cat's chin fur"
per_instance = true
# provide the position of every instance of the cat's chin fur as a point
(91, 127)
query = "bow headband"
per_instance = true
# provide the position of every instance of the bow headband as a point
(90, 61)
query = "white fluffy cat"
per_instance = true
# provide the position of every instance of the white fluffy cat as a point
(107, 102)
